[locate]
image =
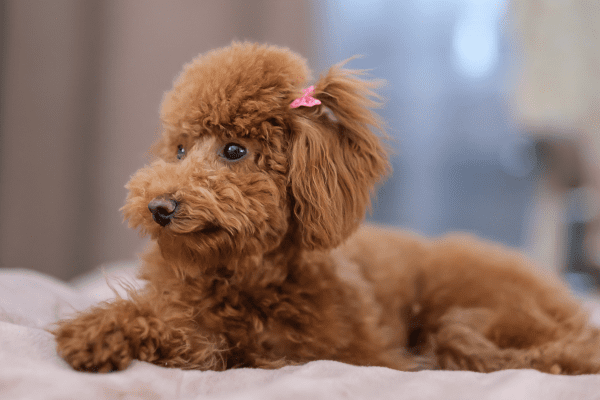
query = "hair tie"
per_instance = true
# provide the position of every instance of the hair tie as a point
(306, 100)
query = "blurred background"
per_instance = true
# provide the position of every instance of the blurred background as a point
(492, 106)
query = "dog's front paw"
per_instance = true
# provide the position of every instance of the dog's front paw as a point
(93, 343)
(108, 338)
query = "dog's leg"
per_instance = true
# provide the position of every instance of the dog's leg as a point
(475, 305)
(109, 337)
(486, 308)
(461, 344)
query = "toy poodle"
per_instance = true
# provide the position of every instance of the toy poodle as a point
(258, 258)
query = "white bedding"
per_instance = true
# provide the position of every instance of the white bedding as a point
(31, 369)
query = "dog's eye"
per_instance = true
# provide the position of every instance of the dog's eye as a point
(233, 151)
(180, 152)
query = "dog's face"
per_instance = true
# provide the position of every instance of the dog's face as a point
(238, 169)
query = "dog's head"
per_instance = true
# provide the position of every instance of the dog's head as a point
(239, 169)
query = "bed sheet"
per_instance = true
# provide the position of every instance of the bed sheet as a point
(31, 369)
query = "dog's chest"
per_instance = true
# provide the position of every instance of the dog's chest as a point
(314, 317)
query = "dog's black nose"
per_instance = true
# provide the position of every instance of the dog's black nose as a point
(163, 210)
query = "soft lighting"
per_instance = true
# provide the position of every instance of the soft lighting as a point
(476, 38)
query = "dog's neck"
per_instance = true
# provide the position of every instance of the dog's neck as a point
(271, 267)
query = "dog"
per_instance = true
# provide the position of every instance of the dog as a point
(259, 259)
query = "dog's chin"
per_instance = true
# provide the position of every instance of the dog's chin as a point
(212, 244)
(204, 240)
(184, 228)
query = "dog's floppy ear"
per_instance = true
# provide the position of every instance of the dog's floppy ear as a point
(336, 158)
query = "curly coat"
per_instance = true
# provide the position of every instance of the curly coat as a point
(263, 264)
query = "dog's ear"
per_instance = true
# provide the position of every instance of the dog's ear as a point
(336, 157)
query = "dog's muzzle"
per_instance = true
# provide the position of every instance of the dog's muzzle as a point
(163, 210)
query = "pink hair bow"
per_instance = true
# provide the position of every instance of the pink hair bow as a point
(306, 100)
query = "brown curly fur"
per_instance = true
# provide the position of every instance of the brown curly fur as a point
(264, 264)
